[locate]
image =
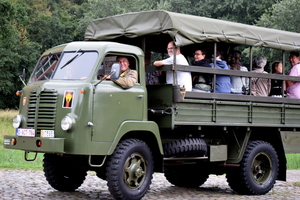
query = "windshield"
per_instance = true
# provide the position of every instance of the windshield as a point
(75, 65)
(45, 67)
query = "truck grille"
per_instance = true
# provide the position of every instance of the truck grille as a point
(42, 110)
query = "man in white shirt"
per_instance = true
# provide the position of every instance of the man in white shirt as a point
(183, 78)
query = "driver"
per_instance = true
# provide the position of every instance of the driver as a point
(128, 77)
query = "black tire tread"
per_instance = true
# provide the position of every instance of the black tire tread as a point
(237, 177)
(114, 163)
(190, 146)
(61, 174)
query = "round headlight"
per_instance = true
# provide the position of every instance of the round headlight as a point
(17, 121)
(66, 123)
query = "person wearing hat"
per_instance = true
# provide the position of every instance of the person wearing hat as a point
(128, 77)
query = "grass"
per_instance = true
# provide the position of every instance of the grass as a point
(293, 161)
(14, 159)
(296, 184)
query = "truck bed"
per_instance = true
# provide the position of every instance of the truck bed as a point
(212, 109)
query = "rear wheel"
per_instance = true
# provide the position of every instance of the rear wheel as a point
(258, 170)
(63, 173)
(129, 170)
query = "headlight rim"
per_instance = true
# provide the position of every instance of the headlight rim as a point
(17, 121)
(66, 123)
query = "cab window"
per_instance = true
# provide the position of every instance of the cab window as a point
(75, 65)
(45, 67)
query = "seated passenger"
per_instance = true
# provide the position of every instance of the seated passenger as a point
(128, 77)
(152, 78)
(71, 73)
(184, 78)
(260, 86)
(237, 82)
(223, 84)
(292, 87)
(276, 85)
(201, 81)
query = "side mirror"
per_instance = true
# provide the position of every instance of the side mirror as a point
(24, 74)
(115, 71)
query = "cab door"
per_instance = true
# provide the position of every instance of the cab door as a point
(113, 105)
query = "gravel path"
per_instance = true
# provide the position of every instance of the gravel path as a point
(18, 184)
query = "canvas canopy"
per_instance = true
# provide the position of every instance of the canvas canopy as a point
(188, 29)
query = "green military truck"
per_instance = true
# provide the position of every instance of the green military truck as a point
(82, 122)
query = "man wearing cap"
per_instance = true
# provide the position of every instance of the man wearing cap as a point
(128, 76)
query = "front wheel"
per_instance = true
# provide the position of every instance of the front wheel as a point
(63, 173)
(129, 170)
(258, 170)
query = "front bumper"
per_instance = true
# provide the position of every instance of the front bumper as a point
(34, 144)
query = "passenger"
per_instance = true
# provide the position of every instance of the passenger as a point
(239, 84)
(276, 85)
(292, 87)
(128, 76)
(152, 78)
(71, 73)
(260, 86)
(201, 81)
(184, 78)
(223, 84)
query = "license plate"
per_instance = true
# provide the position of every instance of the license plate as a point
(47, 133)
(25, 132)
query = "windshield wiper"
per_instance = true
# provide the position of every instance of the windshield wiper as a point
(73, 58)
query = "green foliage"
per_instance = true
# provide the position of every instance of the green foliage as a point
(17, 52)
(29, 27)
(183, 6)
(283, 16)
(8, 30)
(271, 55)
(243, 11)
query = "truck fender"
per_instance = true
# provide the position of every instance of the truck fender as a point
(129, 126)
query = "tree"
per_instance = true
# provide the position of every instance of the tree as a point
(242, 11)
(52, 22)
(27, 28)
(282, 16)
(16, 51)
(7, 28)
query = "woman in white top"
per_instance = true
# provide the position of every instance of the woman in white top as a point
(237, 82)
